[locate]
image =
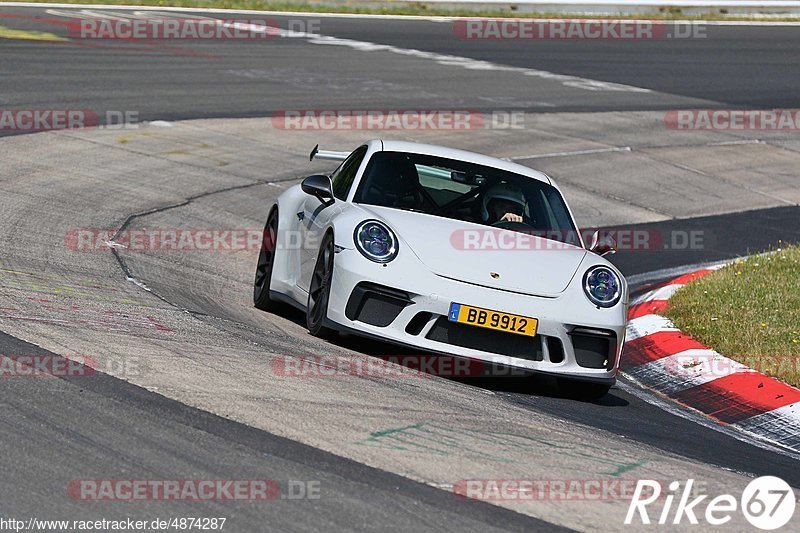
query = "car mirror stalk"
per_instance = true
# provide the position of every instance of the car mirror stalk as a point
(319, 186)
(604, 245)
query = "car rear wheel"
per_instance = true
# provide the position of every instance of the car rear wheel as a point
(582, 390)
(320, 289)
(266, 262)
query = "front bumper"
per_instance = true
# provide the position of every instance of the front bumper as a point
(412, 304)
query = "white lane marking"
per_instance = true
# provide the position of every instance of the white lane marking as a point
(732, 143)
(662, 293)
(647, 325)
(673, 272)
(512, 101)
(646, 394)
(138, 283)
(310, 14)
(567, 154)
(442, 59)
(89, 14)
(427, 18)
(781, 425)
(689, 368)
(470, 64)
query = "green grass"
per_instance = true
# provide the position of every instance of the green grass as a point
(412, 8)
(748, 311)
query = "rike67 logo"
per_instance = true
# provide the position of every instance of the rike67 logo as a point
(767, 503)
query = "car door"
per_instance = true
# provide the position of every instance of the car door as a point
(316, 216)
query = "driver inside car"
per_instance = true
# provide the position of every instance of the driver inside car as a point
(503, 202)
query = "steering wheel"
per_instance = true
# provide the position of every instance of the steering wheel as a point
(395, 199)
(513, 226)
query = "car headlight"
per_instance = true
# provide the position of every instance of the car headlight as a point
(602, 286)
(375, 241)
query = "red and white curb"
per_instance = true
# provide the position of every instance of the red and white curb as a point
(662, 358)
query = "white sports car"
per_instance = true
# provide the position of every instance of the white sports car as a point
(449, 252)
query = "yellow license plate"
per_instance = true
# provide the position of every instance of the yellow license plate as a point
(486, 318)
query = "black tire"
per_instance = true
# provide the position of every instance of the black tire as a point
(320, 289)
(582, 390)
(266, 261)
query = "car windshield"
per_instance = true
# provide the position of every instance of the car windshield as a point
(467, 192)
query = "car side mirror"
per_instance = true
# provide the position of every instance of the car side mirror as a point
(319, 186)
(604, 245)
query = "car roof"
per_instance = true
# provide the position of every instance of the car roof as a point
(461, 155)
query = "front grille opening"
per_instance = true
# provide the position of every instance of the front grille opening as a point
(593, 348)
(486, 340)
(555, 349)
(375, 304)
(415, 325)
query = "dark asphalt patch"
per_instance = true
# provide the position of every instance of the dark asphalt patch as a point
(96, 414)
(720, 237)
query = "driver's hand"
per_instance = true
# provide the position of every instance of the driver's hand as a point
(511, 217)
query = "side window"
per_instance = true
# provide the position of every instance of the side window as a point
(343, 178)
(559, 216)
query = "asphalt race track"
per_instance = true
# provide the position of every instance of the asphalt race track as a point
(187, 387)
(732, 66)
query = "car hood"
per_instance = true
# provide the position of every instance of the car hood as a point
(485, 256)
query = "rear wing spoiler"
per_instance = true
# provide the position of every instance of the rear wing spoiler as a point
(327, 154)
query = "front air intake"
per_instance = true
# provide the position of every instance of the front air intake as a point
(594, 348)
(375, 304)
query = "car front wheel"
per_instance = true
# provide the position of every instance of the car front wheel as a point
(320, 289)
(266, 262)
